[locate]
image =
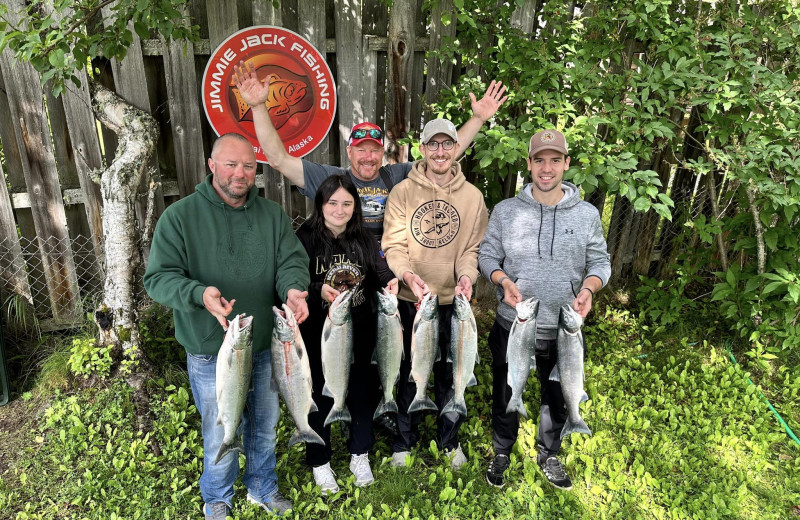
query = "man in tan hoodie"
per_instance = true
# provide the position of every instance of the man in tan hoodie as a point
(433, 227)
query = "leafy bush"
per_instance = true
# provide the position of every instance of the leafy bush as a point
(87, 359)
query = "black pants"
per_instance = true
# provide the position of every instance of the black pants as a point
(552, 412)
(362, 392)
(408, 424)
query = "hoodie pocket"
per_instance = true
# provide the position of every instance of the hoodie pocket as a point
(437, 275)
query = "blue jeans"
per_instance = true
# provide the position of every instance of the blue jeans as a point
(260, 417)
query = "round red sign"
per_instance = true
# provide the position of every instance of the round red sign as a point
(302, 94)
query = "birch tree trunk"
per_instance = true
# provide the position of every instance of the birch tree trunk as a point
(137, 133)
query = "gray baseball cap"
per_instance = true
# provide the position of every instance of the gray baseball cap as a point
(439, 126)
(548, 140)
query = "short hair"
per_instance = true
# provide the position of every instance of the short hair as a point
(232, 135)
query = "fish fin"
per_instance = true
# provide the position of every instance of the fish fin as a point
(533, 362)
(439, 355)
(306, 436)
(584, 398)
(326, 391)
(385, 407)
(313, 407)
(554, 375)
(374, 359)
(273, 385)
(235, 446)
(338, 415)
(516, 405)
(472, 381)
(418, 405)
(453, 406)
(575, 427)
(410, 378)
(477, 358)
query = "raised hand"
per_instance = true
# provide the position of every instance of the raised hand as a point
(487, 106)
(254, 92)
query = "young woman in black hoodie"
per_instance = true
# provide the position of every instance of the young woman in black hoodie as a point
(343, 256)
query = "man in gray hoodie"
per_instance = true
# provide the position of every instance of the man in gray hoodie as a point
(545, 243)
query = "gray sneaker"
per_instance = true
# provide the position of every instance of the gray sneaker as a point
(399, 459)
(275, 504)
(457, 458)
(216, 511)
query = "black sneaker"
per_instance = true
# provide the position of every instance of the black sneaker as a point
(497, 469)
(555, 473)
(388, 423)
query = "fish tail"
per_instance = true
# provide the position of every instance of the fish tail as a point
(555, 375)
(338, 415)
(234, 446)
(578, 426)
(305, 436)
(458, 406)
(385, 407)
(516, 405)
(422, 403)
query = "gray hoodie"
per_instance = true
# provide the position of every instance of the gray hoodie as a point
(546, 250)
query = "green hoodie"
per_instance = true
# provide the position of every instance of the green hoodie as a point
(249, 253)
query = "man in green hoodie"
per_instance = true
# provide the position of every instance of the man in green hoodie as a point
(219, 247)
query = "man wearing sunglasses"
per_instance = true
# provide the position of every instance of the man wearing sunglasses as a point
(364, 148)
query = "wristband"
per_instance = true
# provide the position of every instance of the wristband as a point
(587, 289)
(500, 281)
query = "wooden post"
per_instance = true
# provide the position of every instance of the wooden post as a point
(401, 69)
(184, 114)
(29, 118)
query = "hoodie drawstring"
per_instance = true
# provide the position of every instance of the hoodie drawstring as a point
(247, 217)
(230, 228)
(553, 240)
(539, 236)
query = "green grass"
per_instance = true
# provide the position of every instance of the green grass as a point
(678, 433)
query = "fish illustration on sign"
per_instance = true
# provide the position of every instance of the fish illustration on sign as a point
(287, 96)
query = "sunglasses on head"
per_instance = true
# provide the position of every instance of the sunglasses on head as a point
(361, 133)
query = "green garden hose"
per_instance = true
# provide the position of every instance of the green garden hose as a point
(786, 427)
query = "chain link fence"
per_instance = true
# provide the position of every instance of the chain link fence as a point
(27, 264)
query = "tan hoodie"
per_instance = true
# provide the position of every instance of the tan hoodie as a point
(434, 232)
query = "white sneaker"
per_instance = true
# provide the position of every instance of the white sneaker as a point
(359, 466)
(457, 458)
(399, 459)
(325, 478)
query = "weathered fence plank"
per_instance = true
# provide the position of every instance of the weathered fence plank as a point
(184, 113)
(311, 18)
(440, 71)
(130, 83)
(86, 155)
(401, 69)
(28, 116)
(12, 265)
(349, 66)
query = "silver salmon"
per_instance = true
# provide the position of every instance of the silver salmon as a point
(424, 351)
(463, 353)
(521, 353)
(337, 356)
(234, 367)
(569, 369)
(388, 350)
(291, 374)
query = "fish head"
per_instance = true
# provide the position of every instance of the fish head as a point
(569, 319)
(285, 324)
(429, 307)
(387, 302)
(240, 331)
(527, 310)
(461, 307)
(339, 311)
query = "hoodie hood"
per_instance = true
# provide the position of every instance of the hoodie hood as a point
(417, 174)
(207, 191)
(570, 199)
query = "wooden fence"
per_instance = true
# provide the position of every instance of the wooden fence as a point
(51, 145)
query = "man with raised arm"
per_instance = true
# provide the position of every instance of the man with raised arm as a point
(364, 148)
